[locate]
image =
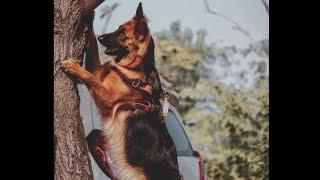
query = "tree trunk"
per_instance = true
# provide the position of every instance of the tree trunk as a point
(71, 24)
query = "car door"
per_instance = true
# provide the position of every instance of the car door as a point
(188, 164)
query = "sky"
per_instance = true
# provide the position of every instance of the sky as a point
(192, 13)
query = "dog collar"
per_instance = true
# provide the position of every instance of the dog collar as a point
(141, 86)
(145, 89)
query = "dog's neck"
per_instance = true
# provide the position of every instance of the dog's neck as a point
(132, 73)
(133, 61)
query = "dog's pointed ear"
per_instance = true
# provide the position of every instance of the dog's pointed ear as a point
(139, 12)
(141, 28)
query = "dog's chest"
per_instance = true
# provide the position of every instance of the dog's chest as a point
(115, 85)
(118, 88)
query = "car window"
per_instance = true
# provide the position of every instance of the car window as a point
(178, 135)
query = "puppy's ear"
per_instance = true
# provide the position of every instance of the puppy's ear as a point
(139, 12)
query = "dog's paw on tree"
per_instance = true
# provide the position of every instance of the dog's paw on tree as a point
(71, 66)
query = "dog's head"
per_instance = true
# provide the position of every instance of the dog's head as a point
(130, 42)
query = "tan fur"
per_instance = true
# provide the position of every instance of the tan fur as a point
(113, 129)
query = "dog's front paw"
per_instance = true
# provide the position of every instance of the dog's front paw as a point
(71, 66)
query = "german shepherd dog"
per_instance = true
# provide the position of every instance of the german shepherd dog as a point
(127, 92)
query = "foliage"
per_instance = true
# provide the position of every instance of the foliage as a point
(225, 89)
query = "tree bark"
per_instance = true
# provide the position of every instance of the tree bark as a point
(72, 23)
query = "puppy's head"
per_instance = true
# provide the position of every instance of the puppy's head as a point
(129, 43)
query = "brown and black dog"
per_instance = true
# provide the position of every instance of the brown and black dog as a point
(127, 92)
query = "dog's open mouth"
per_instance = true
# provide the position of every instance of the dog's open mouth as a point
(118, 51)
(113, 47)
(112, 51)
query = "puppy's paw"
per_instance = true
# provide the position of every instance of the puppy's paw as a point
(71, 66)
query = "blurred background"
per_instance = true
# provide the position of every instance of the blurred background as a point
(213, 55)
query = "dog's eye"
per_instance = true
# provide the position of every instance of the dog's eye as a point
(122, 36)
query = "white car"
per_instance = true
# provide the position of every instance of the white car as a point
(190, 163)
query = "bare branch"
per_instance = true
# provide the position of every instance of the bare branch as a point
(104, 28)
(236, 26)
(109, 9)
(107, 12)
(265, 5)
(90, 5)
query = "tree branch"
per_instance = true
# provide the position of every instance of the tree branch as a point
(109, 9)
(265, 5)
(236, 26)
(108, 12)
(90, 5)
(104, 28)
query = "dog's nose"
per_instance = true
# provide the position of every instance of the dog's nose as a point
(105, 39)
(100, 38)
